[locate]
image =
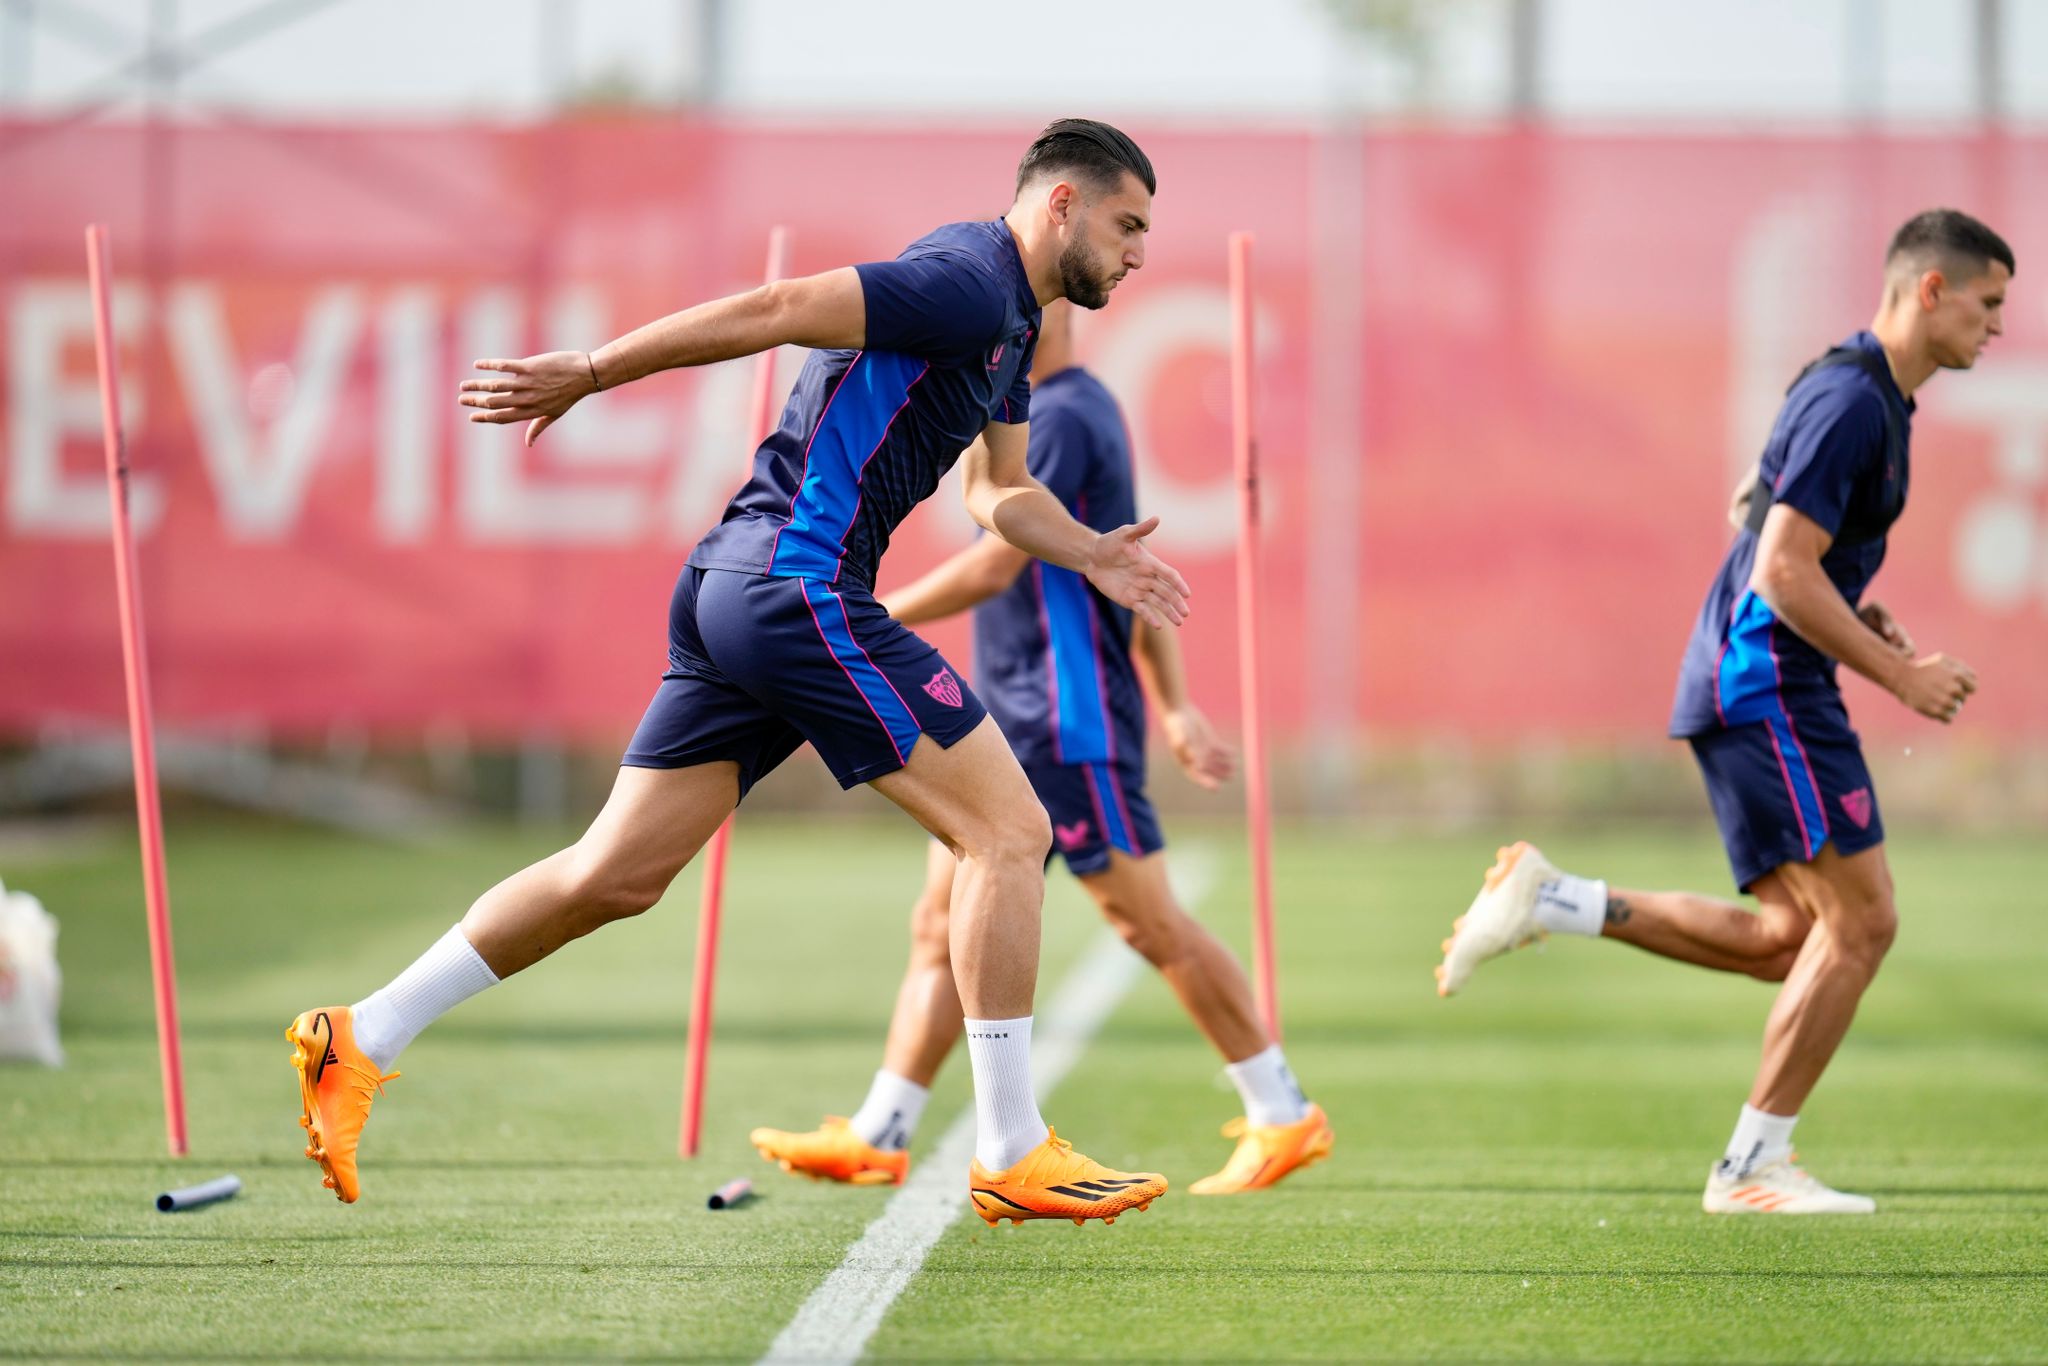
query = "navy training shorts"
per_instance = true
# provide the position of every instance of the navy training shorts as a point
(1096, 808)
(1783, 786)
(759, 665)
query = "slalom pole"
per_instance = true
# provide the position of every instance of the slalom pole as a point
(135, 668)
(761, 407)
(1258, 814)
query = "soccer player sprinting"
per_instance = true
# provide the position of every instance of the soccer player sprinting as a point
(1059, 666)
(1758, 700)
(775, 637)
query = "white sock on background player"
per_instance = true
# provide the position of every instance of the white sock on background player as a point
(1759, 1140)
(441, 979)
(1006, 1120)
(1572, 905)
(1268, 1089)
(888, 1117)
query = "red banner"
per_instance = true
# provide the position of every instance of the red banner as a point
(1506, 382)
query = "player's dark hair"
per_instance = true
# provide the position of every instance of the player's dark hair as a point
(1091, 150)
(1952, 234)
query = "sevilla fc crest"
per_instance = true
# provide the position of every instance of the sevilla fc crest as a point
(1856, 805)
(944, 687)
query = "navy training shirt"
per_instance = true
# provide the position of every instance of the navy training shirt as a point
(867, 435)
(1052, 656)
(1829, 456)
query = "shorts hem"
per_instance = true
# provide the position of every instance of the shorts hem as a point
(882, 768)
(1098, 859)
(1747, 875)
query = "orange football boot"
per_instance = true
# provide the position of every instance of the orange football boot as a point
(1267, 1152)
(337, 1083)
(1052, 1181)
(832, 1152)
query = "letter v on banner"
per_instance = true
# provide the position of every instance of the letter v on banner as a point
(762, 412)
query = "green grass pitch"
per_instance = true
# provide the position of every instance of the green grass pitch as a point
(1517, 1173)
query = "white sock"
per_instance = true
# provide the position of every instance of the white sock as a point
(888, 1117)
(1572, 905)
(1270, 1093)
(1006, 1120)
(441, 979)
(1759, 1140)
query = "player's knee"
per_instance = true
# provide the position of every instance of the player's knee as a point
(930, 927)
(1781, 933)
(600, 893)
(1020, 835)
(1776, 968)
(1154, 936)
(1869, 928)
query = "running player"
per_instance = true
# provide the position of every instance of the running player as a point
(1758, 700)
(775, 637)
(1059, 665)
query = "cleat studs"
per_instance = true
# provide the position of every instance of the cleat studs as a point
(1078, 1221)
(1445, 947)
(1107, 1220)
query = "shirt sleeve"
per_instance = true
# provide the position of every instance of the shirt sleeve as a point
(1059, 454)
(1838, 438)
(938, 306)
(1016, 405)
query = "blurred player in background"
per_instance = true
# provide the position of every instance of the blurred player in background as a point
(775, 636)
(1759, 702)
(1060, 666)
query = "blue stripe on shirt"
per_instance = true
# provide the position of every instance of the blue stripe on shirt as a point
(1083, 734)
(855, 423)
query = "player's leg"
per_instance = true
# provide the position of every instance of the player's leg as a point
(1711, 933)
(1525, 897)
(927, 1020)
(1136, 898)
(1280, 1131)
(654, 823)
(701, 744)
(1854, 921)
(882, 707)
(974, 798)
(871, 1146)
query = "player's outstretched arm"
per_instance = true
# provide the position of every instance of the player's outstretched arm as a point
(1003, 497)
(965, 580)
(1200, 752)
(826, 310)
(1788, 576)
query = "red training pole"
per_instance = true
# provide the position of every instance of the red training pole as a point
(1258, 816)
(135, 666)
(762, 408)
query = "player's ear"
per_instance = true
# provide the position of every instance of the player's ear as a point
(1061, 201)
(1933, 284)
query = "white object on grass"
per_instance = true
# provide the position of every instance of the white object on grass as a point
(29, 981)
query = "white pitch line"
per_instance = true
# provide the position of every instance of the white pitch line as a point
(835, 1324)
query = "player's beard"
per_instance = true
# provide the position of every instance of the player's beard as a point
(1082, 280)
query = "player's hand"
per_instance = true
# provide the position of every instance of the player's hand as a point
(1879, 618)
(535, 391)
(1203, 756)
(1131, 576)
(1937, 686)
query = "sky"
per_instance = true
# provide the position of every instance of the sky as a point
(1652, 61)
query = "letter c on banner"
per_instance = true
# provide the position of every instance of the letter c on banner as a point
(1140, 339)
